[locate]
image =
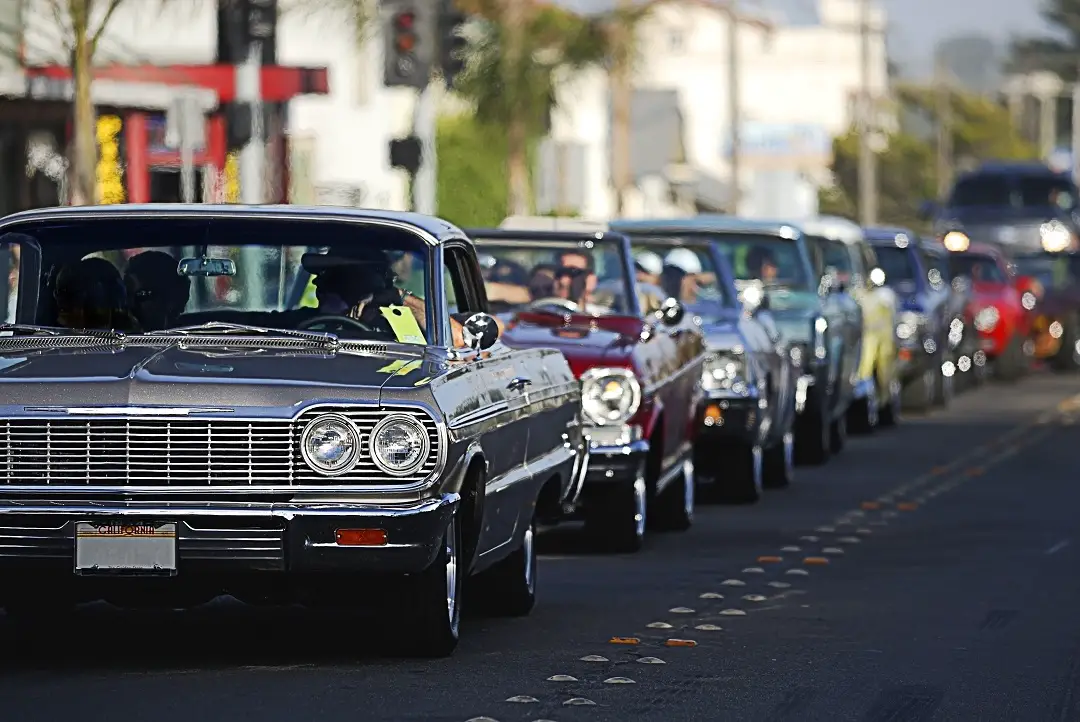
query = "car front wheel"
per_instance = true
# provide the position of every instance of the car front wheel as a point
(509, 588)
(432, 602)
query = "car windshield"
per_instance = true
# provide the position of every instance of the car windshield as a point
(980, 269)
(156, 274)
(901, 272)
(687, 273)
(774, 260)
(1032, 191)
(583, 276)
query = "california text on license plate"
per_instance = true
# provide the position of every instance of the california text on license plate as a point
(135, 548)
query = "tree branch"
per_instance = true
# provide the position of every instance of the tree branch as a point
(96, 35)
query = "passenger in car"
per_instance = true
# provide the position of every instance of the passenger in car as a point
(157, 294)
(90, 294)
(761, 264)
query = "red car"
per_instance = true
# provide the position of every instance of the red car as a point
(639, 359)
(1000, 307)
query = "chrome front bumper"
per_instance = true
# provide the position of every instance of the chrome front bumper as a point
(231, 536)
(615, 455)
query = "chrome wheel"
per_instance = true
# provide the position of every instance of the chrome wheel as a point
(530, 559)
(452, 575)
(640, 505)
(757, 469)
(789, 456)
(688, 489)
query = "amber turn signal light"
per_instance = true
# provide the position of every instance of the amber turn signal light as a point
(360, 537)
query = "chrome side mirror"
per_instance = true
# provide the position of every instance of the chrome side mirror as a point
(480, 332)
(671, 312)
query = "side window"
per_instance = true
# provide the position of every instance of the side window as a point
(463, 283)
(450, 284)
(9, 265)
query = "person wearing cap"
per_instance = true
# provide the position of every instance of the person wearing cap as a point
(648, 267)
(682, 274)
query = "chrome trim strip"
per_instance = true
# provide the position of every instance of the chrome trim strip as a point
(641, 446)
(176, 510)
(475, 417)
(126, 410)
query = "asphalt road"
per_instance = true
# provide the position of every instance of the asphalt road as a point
(930, 572)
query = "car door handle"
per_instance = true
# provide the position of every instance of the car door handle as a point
(519, 384)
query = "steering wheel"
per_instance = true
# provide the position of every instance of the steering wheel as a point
(560, 303)
(332, 324)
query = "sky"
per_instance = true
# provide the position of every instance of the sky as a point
(917, 25)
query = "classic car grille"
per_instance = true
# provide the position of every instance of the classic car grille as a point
(184, 452)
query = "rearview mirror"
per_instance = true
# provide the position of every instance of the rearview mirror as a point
(480, 332)
(671, 312)
(206, 267)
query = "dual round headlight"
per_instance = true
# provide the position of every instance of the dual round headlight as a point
(610, 396)
(331, 444)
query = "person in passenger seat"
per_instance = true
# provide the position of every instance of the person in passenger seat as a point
(157, 294)
(90, 294)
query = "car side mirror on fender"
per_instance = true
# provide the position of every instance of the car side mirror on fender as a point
(671, 312)
(480, 331)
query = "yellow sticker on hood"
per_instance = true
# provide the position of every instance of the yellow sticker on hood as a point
(404, 324)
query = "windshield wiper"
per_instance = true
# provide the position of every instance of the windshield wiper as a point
(34, 330)
(223, 328)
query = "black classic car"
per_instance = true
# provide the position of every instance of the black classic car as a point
(188, 420)
(639, 358)
(745, 436)
(924, 317)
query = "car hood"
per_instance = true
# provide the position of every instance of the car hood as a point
(170, 375)
(722, 331)
(584, 344)
(794, 312)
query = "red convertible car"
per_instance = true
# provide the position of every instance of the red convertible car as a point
(639, 358)
(1000, 307)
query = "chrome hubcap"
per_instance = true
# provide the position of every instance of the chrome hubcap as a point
(451, 572)
(757, 466)
(639, 507)
(789, 455)
(688, 488)
(530, 559)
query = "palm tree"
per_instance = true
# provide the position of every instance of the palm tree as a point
(519, 51)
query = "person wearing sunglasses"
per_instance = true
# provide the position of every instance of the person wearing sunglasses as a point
(157, 294)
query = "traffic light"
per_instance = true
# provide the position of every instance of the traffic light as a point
(452, 43)
(409, 51)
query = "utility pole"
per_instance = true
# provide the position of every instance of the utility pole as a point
(868, 190)
(253, 154)
(622, 95)
(425, 182)
(734, 106)
(1076, 128)
(943, 88)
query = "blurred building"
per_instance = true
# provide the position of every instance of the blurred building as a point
(799, 76)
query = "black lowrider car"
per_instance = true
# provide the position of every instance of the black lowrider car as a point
(189, 420)
(745, 440)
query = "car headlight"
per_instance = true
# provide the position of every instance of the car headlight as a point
(610, 396)
(724, 372)
(1028, 300)
(330, 444)
(910, 325)
(1056, 236)
(987, 319)
(399, 444)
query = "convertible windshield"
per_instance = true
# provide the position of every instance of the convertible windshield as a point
(579, 276)
(774, 260)
(686, 273)
(1051, 271)
(141, 275)
(899, 266)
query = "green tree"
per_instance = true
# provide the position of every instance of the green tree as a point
(519, 51)
(472, 187)
(1058, 52)
(981, 130)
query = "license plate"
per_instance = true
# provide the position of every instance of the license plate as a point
(139, 548)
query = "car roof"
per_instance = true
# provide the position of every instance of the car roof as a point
(539, 236)
(834, 228)
(1006, 167)
(887, 235)
(708, 222)
(435, 230)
